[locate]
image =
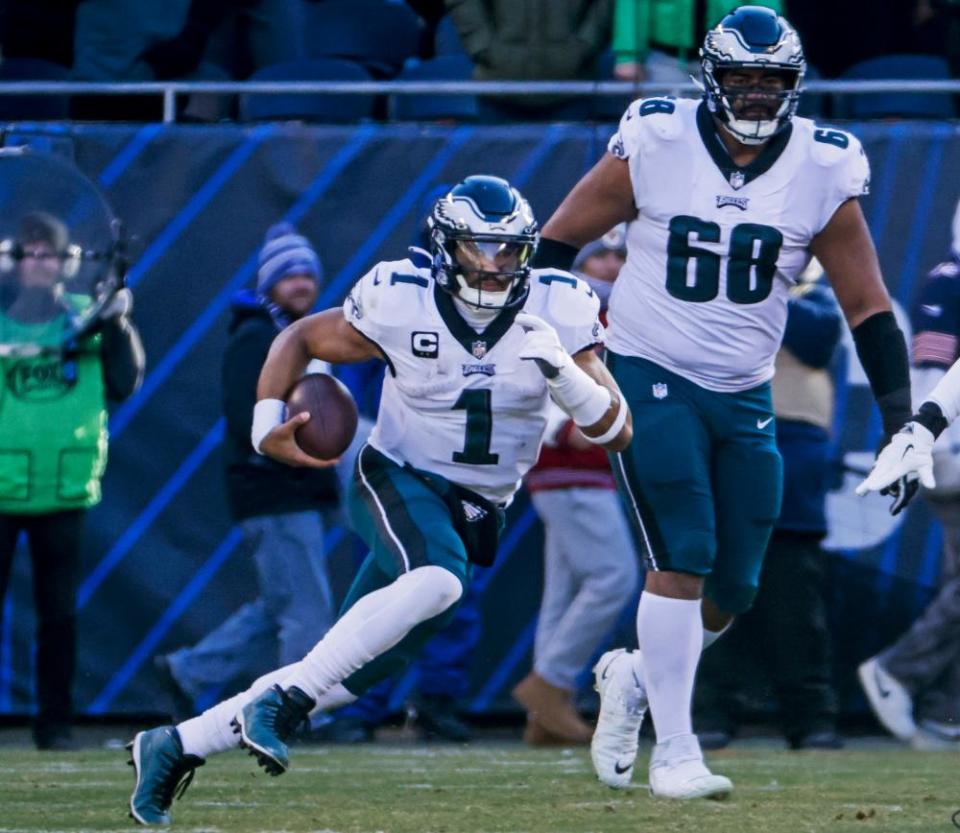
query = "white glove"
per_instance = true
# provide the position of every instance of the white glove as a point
(571, 388)
(119, 306)
(908, 453)
(542, 345)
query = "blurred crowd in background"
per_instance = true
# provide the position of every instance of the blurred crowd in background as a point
(444, 40)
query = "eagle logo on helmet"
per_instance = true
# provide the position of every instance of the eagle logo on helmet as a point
(752, 37)
(482, 238)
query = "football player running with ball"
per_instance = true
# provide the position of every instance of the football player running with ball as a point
(726, 200)
(476, 344)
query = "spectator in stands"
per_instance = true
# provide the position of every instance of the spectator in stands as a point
(53, 420)
(659, 40)
(112, 35)
(277, 507)
(124, 40)
(590, 568)
(241, 36)
(785, 633)
(530, 40)
(913, 685)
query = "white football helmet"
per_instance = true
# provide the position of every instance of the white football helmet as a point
(752, 37)
(482, 237)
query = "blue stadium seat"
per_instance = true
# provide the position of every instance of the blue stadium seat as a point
(378, 34)
(36, 107)
(314, 108)
(812, 105)
(904, 105)
(447, 39)
(433, 107)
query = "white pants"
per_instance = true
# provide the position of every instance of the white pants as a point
(590, 575)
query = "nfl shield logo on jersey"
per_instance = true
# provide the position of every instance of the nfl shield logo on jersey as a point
(479, 349)
(736, 180)
(660, 390)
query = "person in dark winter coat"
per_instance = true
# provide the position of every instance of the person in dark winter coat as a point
(278, 508)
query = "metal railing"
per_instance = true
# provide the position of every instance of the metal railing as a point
(169, 91)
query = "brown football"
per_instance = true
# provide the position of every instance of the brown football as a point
(333, 415)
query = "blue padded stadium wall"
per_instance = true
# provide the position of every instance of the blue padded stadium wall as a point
(162, 564)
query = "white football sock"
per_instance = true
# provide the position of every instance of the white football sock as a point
(376, 623)
(709, 637)
(211, 732)
(670, 634)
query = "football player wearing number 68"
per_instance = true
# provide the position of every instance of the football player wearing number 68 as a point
(726, 200)
(476, 344)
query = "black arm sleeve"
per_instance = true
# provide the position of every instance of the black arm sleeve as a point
(122, 356)
(554, 254)
(931, 417)
(883, 354)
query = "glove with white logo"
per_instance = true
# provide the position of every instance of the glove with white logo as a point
(904, 463)
(571, 388)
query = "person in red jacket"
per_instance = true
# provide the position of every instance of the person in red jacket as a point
(590, 567)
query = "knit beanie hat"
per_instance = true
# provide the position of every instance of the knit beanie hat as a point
(284, 253)
(614, 240)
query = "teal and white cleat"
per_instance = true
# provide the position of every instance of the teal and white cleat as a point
(162, 772)
(265, 723)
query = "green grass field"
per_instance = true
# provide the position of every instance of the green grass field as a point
(400, 788)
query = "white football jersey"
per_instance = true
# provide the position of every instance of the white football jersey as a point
(459, 403)
(715, 249)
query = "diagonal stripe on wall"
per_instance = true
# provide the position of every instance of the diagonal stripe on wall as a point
(149, 643)
(196, 204)
(162, 370)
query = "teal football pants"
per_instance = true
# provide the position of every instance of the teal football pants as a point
(406, 525)
(703, 478)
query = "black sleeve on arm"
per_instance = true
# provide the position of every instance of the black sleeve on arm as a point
(883, 354)
(122, 357)
(554, 254)
(931, 417)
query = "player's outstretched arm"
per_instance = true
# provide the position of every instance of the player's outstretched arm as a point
(579, 384)
(600, 200)
(910, 452)
(326, 336)
(846, 251)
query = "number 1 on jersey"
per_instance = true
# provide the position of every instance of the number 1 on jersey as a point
(476, 446)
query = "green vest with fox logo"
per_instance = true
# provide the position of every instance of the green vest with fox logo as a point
(53, 423)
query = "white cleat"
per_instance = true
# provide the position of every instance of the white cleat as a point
(623, 703)
(890, 701)
(677, 771)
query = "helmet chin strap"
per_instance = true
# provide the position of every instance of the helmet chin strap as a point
(747, 139)
(466, 294)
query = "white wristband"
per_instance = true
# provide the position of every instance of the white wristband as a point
(267, 415)
(579, 395)
(618, 422)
